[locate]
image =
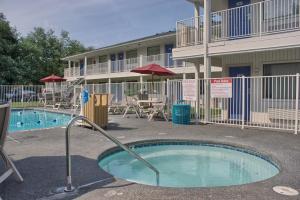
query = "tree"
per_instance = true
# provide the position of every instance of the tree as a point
(70, 47)
(25, 60)
(10, 73)
(42, 51)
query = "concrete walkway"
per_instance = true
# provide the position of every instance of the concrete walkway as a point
(39, 155)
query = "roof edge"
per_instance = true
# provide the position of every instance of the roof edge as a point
(143, 39)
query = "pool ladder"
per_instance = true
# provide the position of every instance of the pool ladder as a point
(69, 187)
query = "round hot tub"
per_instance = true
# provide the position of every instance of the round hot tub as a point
(189, 164)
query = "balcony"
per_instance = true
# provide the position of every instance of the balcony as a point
(124, 65)
(98, 68)
(120, 66)
(253, 20)
(165, 60)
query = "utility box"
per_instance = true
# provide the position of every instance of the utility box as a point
(96, 109)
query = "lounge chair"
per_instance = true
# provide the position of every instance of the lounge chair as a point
(114, 107)
(49, 100)
(4, 122)
(66, 101)
(41, 99)
(158, 109)
(131, 103)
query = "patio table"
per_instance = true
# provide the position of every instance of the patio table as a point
(148, 101)
(151, 104)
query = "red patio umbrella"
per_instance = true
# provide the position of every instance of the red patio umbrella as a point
(52, 78)
(153, 69)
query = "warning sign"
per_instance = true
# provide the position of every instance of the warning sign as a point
(221, 88)
(189, 89)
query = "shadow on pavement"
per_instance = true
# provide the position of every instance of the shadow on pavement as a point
(44, 175)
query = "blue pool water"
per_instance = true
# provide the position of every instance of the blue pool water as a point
(189, 165)
(28, 119)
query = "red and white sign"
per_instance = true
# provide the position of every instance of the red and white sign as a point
(221, 88)
(189, 90)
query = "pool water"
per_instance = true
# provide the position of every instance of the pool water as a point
(189, 165)
(29, 119)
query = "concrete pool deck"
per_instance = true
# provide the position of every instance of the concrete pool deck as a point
(40, 157)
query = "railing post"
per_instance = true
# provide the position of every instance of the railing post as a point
(22, 100)
(74, 90)
(196, 21)
(243, 102)
(141, 84)
(109, 86)
(141, 61)
(69, 67)
(168, 98)
(177, 35)
(109, 66)
(297, 104)
(85, 66)
(123, 91)
(260, 18)
(81, 100)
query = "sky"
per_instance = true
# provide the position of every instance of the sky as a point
(97, 23)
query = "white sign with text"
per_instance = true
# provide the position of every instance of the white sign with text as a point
(221, 88)
(189, 89)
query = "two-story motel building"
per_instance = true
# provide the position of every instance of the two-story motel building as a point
(112, 64)
(248, 38)
(251, 38)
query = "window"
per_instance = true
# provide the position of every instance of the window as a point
(277, 86)
(103, 59)
(155, 50)
(91, 61)
(131, 54)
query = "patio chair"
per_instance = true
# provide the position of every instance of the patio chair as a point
(146, 108)
(41, 99)
(4, 122)
(65, 102)
(114, 107)
(131, 103)
(49, 100)
(158, 109)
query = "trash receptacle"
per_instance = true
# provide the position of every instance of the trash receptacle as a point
(181, 114)
(96, 109)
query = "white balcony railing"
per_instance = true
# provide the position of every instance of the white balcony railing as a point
(75, 72)
(124, 65)
(67, 72)
(266, 17)
(189, 32)
(165, 60)
(98, 68)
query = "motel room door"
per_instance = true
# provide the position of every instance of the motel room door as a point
(169, 58)
(121, 61)
(239, 18)
(113, 63)
(81, 67)
(235, 103)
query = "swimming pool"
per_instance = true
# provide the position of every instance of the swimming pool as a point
(30, 119)
(189, 164)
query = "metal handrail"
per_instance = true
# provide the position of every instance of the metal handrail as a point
(69, 187)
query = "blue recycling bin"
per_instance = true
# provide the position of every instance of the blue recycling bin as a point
(181, 114)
